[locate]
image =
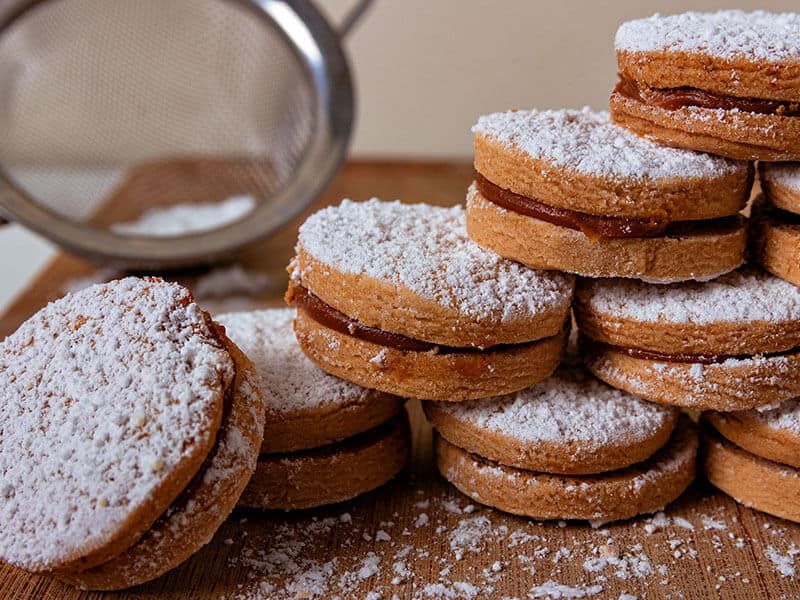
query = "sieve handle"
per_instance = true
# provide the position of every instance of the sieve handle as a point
(353, 17)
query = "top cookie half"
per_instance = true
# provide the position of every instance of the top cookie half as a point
(411, 269)
(726, 82)
(577, 160)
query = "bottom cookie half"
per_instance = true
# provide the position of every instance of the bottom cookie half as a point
(642, 488)
(330, 474)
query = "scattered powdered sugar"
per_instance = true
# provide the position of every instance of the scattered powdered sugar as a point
(426, 249)
(290, 382)
(554, 590)
(726, 34)
(745, 295)
(568, 407)
(588, 142)
(783, 174)
(783, 563)
(230, 280)
(784, 416)
(184, 219)
(105, 392)
(320, 555)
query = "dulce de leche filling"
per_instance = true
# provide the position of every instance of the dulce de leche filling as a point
(598, 226)
(331, 318)
(701, 359)
(682, 97)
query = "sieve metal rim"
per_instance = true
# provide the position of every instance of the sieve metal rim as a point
(319, 49)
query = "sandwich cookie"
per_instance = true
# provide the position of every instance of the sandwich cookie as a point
(122, 401)
(306, 407)
(332, 473)
(727, 82)
(641, 488)
(772, 432)
(776, 222)
(193, 518)
(569, 190)
(751, 480)
(570, 423)
(326, 440)
(396, 297)
(728, 344)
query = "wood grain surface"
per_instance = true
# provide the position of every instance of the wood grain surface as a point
(418, 537)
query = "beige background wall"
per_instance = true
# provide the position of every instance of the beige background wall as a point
(427, 68)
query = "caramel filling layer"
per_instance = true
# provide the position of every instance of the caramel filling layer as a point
(596, 226)
(701, 359)
(331, 318)
(682, 97)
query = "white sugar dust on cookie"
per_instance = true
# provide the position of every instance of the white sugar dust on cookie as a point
(570, 423)
(396, 297)
(568, 190)
(726, 34)
(306, 407)
(771, 432)
(588, 142)
(110, 401)
(729, 344)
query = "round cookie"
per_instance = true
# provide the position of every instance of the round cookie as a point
(398, 298)
(191, 521)
(330, 474)
(111, 402)
(641, 488)
(728, 344)
(571, 191)
(775, 240)
(306, 407)
(758, 483)
(570, 423)
(723, 82)
(781, 184)
(772, 433)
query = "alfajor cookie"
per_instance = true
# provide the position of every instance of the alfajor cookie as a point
(332, 473)
(728, 344)
(396, 297)
(193, 518)
(641, 488)
(727, 82)
(756, 482)
(571, 191)
(306, 407)
(122, 401)
(776, 222)
(570, 423)
(772, 432)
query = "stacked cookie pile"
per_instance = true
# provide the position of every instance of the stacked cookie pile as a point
(679, 321)
(326, 440)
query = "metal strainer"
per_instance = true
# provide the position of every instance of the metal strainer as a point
(112, 112)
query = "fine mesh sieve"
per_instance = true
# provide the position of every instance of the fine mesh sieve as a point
(118, 116)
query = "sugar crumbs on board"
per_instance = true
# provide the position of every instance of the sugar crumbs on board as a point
(435, 553)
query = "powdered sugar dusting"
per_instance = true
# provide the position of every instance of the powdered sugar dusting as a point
(726, 34)
(290, 382)
(566, 408)
(426, 249)
(588, 142)
(741, 296)
(785, 416)
(103, 395)
(184, 219)
(785, 175)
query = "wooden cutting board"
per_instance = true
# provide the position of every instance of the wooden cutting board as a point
(418, 537)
